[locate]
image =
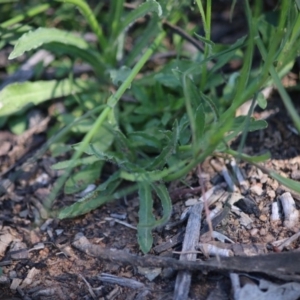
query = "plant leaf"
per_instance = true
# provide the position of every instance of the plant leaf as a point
(239, 125)
(290, 183)
(200, 122)
(166, 202)
(160, 160)
(17, 96)
(88, 54)
(248, 158)
(82, 161)
(34, 39)
(141, 138)
(119, 76)
(146, 218)
(261, 101)
(81, 179)
(94, 199)
(140, 11)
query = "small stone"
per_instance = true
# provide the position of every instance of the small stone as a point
(254, 232)
(257, 190)
(271, 194)
(263, 231)
(269, 238)
(263, 218)
(264, 178)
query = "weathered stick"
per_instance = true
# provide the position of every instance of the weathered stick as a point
(284, 265)
(191, 239)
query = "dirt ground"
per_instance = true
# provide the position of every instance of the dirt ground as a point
(96, 256)
(43, 259)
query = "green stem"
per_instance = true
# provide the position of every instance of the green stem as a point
(207, 29)
(90, 17)
(244, 75)
(28, 14)
(283, 93)
(112, 101)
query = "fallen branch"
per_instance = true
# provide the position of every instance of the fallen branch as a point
(284, 266)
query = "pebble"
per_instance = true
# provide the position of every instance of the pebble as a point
(264, 178)
(263, 218)
(257, 190)
(271, 194)
(269, 238)
(254, 232)
(263, 231)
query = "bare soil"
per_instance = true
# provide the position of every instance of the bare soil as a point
(96, 256)
(40, 260)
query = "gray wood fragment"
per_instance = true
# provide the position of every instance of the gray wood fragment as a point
(191, 239)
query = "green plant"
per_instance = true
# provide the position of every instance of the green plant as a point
(176, 120)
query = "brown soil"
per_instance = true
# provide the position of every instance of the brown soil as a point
(78, 259)
(39, 259)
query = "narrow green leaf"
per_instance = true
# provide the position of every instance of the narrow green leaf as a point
(184, 130)
(143, 176)
(211, 105)
(17, 124)
(261, 101)
(82, 178)
(115, 158)
(257, 125)
(143, 41)
(94, 200)
(142, 10)
(90, 17)
(200, 122)
(119, 76)
(40, 36)
(141, 138)
(17, 96)
(239, 124)
(250, 159)
(162, 159)
(204, 40)
(123, 145)
(88, 55)
(290, 183)
(166, 202)
(146, 218)
(82, 161)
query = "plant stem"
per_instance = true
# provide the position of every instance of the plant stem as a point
(90, 17)
(28, 14)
